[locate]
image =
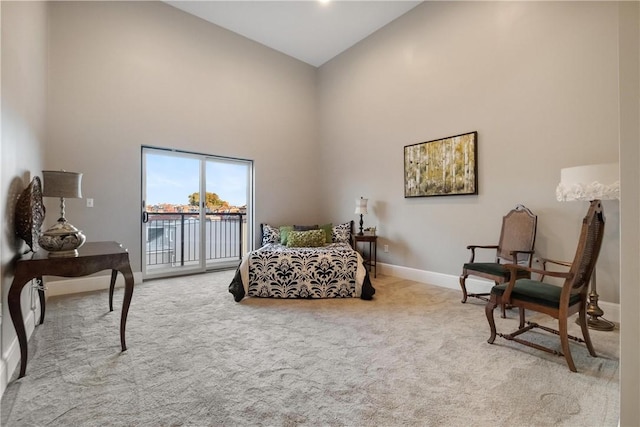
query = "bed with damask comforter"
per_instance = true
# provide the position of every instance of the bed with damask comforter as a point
(285, 267)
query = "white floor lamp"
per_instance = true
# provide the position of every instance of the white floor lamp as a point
(587, 183)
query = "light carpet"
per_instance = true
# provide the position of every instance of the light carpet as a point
(414, 356)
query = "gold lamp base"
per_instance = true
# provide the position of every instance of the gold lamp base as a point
(595, 313)
(600, 324)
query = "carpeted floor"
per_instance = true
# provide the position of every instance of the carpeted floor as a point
(413, 356)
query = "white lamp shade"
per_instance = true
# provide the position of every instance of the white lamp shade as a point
(590, 182)
(361, 206)
(62, 184)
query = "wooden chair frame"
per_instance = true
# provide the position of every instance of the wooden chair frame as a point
(569, 299)
(516, 245)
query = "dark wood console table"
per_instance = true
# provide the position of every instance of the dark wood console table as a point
(92, 258)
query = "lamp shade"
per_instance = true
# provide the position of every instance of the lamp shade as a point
(62, 184)
(361, 206)
(589, 182)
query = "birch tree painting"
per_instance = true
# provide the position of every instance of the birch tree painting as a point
(442, 167)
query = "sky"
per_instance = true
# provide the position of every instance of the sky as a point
(171, 179)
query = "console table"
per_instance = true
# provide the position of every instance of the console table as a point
(92, 258)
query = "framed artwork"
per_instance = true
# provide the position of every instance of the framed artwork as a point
(443, 167)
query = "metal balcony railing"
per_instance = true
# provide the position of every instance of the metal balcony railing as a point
(173, 239)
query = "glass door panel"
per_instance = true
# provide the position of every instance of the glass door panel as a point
(181, 191)
(171, 219)
(228, 192)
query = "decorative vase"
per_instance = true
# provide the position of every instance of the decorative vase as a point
(62, 240)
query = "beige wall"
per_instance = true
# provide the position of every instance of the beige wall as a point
(126, 74)
(24, 69)
(630, 212)
(538, 81)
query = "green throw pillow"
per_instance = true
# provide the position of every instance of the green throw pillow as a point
(306, 239)
(284, 233)
(328, 231)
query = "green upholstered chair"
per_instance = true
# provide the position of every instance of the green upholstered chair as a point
(516, 245)
(560, 302)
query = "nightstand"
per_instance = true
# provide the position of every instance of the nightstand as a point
(369, 257)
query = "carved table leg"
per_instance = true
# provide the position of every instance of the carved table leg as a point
(43, 301)
(128, 293)
(15, 310)
(114, 274)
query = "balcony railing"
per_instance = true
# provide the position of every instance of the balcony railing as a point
(173, 239)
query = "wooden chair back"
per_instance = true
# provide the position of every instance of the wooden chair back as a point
(588, 249)
(518, 234)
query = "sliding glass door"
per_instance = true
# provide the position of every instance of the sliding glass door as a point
(196, 212)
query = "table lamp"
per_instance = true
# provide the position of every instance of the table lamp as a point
(361, 209)
(62, 239)
(588, 183)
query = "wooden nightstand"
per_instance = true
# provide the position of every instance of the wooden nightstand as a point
(369, 257)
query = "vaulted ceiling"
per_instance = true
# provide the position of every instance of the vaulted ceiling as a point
(310, 30)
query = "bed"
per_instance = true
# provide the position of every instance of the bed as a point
(303, 262)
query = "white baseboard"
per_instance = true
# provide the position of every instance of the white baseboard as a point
(3, 377)
(11, 357)
(611, 310)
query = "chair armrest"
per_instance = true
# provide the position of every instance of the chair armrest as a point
(482, 247)
(506, 297)
(544, 262)
(522, 252)
(474, 247)
(513, 267)
(514, 254)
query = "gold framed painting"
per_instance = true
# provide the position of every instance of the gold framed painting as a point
(442, 167)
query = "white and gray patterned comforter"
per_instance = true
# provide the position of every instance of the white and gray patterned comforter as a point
(331, 271)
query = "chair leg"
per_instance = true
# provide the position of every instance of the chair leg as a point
(488, 309)
(522, 317)
(463, 278)
(564, 340)
(582, 317)
(503, 307)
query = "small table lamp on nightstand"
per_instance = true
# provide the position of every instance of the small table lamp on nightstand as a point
(361, 209)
